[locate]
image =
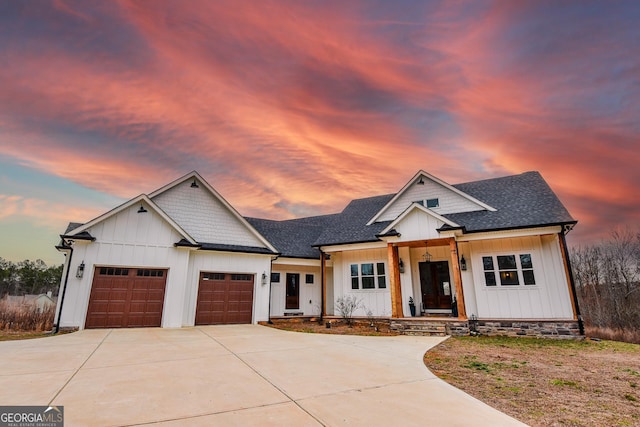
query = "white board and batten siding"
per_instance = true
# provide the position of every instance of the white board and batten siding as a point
(449, 201)
(548, 299)
(227, 262)
(128, 239)
(378, 301)
(204, 217)
(310, 296)
(418, 225)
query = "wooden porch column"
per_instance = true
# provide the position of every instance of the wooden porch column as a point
(394, 281)
(457, 279)
(323, 284)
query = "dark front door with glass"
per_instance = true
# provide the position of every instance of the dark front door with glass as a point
(293, 291)
(435, 285)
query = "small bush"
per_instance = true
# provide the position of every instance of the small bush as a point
(22, 318)
(346, 306)
(623, 335)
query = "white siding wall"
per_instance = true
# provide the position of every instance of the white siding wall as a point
(204, 217)
(310, 295)
(227, 262)
(376, 300)
(128, 239)
(418, 225)
(450, 202)
(548, 299)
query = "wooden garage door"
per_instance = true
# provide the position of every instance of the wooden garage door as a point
(126, 298)
(224, 298)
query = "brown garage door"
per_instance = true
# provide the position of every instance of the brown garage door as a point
(224, 298)
(126, 298)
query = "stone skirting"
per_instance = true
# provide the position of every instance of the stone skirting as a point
(557, 329)
(531, 328)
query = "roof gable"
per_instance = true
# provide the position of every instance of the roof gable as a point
(424, 186)
(205, 214)
(418, 222)
(145, 203)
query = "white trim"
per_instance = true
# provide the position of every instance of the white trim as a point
(297, 261)
(354, 247)
(423, 174)
(235, 213)
(418, 206)
(505, 234)
(141, 198)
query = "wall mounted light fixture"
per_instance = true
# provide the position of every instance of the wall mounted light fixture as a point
(194, 184)
(463, 263)
(142, 209)
(401, 266)
(80, 270)
(264, 278)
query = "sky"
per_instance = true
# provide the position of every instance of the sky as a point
(294, 108)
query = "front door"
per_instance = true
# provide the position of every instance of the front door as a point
(435, 285)
(293, 291)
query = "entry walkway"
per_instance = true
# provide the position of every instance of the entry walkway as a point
(235, 375)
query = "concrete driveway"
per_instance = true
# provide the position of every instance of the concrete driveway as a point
(235, 375)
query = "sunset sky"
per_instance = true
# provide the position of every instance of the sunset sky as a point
(293, 108)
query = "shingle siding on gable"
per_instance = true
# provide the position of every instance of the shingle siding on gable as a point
(450, 202)
(201, 215)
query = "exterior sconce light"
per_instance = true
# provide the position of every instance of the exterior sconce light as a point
(80, 270)
(420, 181)
(264, 278)
(401, 266)
(463, 263)
(142, 209)
(194, 184)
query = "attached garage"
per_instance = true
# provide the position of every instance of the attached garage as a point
(126, 298)
(224, 298)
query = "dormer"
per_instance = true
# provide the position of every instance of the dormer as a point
(431, 193)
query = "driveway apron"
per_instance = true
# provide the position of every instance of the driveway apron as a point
(235, 375)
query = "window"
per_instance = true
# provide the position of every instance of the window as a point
(108, 271)
(489, 271)
(275, 277)
(213, 276)
(308, 279)
(150, 273)
(513, 270)
(242, 277)
(433, 203)
(382, 281)
(368, 276)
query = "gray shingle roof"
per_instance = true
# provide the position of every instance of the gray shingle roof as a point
(524, 200)
(294, 238)
(349, 226)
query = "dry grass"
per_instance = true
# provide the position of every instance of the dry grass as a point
(625, 335)
(545, 382)
(20, 319)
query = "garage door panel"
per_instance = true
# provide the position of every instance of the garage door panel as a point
(223, 299)
(126, 297)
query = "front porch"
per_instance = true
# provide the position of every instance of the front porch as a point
(430, 282)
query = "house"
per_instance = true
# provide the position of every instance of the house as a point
(40, 302)
(488, 254)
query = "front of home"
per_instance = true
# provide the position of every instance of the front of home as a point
(492, 251)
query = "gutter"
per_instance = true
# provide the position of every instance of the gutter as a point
(66, 246)
(563, 233)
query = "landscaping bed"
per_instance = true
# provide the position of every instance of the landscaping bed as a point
(544, 382)
(337, 326)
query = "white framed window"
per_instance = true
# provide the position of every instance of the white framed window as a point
(368, 275)
(506, 270)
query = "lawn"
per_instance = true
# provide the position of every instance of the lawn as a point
(545, 382)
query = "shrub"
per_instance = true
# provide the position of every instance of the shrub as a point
(23, 318)
(346, 306)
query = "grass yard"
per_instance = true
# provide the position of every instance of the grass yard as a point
(545, 382)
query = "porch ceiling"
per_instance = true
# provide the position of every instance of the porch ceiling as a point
(424, 243)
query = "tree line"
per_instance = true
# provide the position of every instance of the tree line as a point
(28, 277)
(607, 277)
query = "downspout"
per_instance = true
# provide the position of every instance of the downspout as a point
(571, 280)
(269, 278)
(323, 284)
(64, 246)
